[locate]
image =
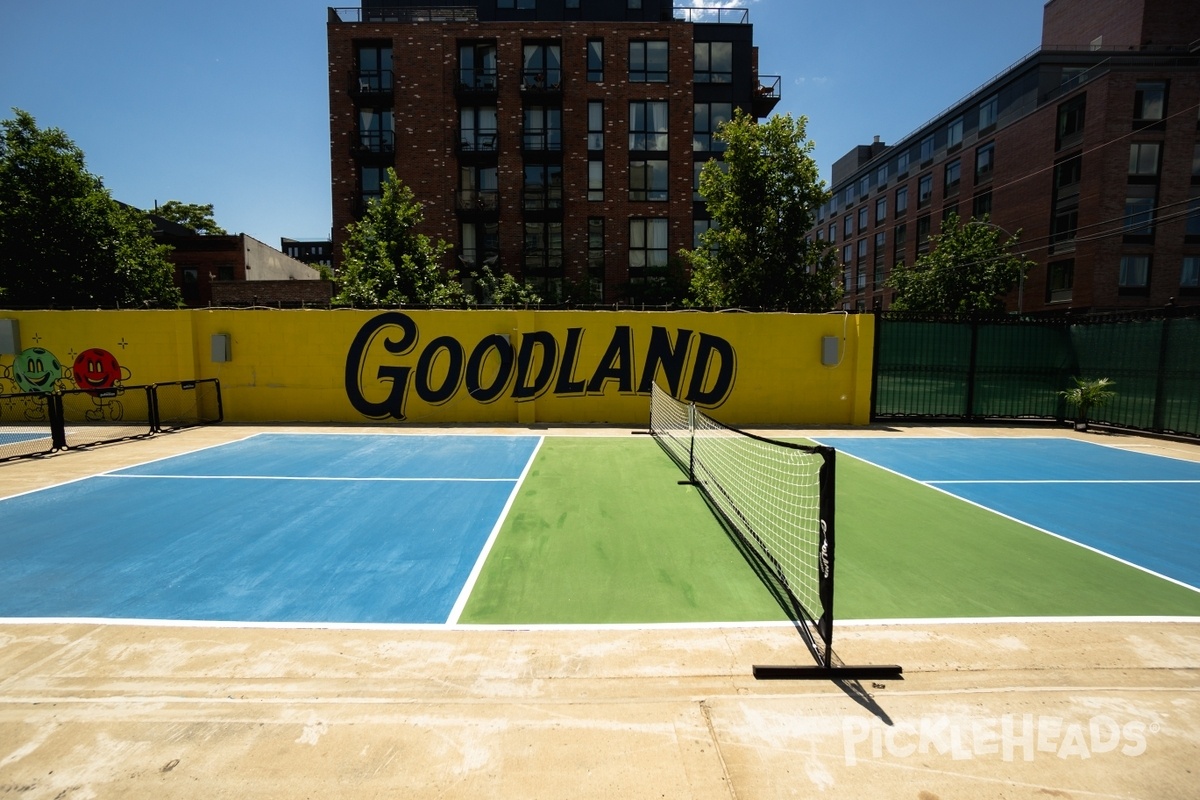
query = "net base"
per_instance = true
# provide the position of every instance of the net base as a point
(815, 672)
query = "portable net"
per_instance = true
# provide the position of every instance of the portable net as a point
(777, 496)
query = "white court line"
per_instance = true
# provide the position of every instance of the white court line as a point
(461, 602)
(304, 478)
(940, 483)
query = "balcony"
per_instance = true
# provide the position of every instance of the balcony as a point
(713, 16)
(478, 142)
(541, 198)
(766, 94)
(481, 201)
(477, 82)
(367, 84)
(541, 82)
(377, 143)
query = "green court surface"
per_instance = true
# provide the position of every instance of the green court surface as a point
(602, 532)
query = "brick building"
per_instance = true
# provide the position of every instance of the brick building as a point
(1090, 146)
(557, 140)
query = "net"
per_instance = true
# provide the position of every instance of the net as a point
(777, 496)
(186, 404)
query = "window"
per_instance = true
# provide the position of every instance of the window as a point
(880, 253)
(881, 210)
(988, 110)
(881, 176)
(832, 233)
(543, 249)
(862, 250)
(542, 67)
(1070, 122)
(847, 254)
(847, 225)
(648, 62)
(191, 284)
(374, 68)
(982, 204)
(1192, 224)
(596, 179)
(371, 181)
(953, 173)
(595, 258)
(1150, 101)
(647, 246)
(864, 185)
(699, 227)
(477, 129)
(648, 180)
(924, 191)
(572, 4)
(862, 218)
(714, 62)
(902, 164)
(1190, 278)
(1139, 211)
(543, 187)
(375, 130)
(595, 60)
(954, 133)
(477, 66)
(648, 125)
(1060, 279)
(927, 148)
(1134, 273)
(1143, 159)
(901, 201)
(542, 128)
(1067, 173)
(480, 243)
(524, 4)
(899, 240)
(985, 160)
(634, 4)
(923, 224)
(478, 189)
(697, 168)
(595, 139)
(707, 118)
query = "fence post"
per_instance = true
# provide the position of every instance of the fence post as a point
(971, 365)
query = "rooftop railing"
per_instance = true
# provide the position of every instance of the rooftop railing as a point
(720, 16)
(427, 13)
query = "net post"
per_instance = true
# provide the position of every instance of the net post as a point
(58, 421)
(691, 442)
(825, 556)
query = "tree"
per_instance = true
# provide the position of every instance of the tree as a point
(64, 241)
(198, 218)
(969, 269)
(385, 260)
(762, 199)
(499, 288)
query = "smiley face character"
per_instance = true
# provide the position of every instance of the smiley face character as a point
(36, 370)
(96, 369)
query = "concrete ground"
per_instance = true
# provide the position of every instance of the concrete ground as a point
(1012, 709)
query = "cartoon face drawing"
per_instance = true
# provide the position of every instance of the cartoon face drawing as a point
(36, 370)
(96, 369)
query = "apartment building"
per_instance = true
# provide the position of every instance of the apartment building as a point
(1089, 147)
(557, 140)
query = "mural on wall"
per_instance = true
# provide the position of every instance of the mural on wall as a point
(95, 371)
(385, 366)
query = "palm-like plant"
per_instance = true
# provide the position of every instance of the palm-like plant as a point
(1087, 395)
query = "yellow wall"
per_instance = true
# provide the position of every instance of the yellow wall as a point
(478, 366)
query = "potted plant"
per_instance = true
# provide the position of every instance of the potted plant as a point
(1087, 395)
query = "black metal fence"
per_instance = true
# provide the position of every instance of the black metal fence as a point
(1016, 367)
(39, 424)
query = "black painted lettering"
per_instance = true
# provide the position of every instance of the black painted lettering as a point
(616, 364)
(479, 356)
(527, 357)
(435, 396)
(711, 347)
(673, 359)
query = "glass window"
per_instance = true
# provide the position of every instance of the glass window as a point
(1139, 211)
(1150, 100)
(596, 258)
(648, 62)
(985, 158)
(647, 245)
(982, 204)
(595, 60)
(596, 179)
(1070, 121)
(988, 110)
(371, 181)
(647, 180)
(374, 68)
(543, 248)
(713, 62)
(953, 176)
(543, 187)
(1135, 272)
(1190, 278)
(478, 188)
(542, 128)
(477, 128)
(595, 140)
(707, 118)
(477, 66)
(864, 185)
(901, 201)
(923, 224)
(375, 130)
(927, 148)
(648, 125)
(862, 218)
(954, 132)
(832, 233)
(880, 210)
(902, 163)
(1143, 158)
(1192, 224)
(847, 225)
(924, 190)
(881, 176)
(1060, 279)
(542, 67)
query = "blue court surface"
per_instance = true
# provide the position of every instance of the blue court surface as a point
(13, 437)
(1136, 507)
(275, 528)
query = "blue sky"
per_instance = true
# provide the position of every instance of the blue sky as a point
(226, 102)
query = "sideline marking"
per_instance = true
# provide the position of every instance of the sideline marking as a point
(305, 478)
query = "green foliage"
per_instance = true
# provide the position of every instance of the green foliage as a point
(763, 200)
(1088, 394)
(190, 215)
(968, 269)
(385, 260)
(64, 241)
(502, 289)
